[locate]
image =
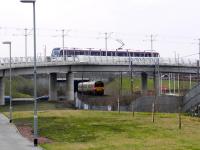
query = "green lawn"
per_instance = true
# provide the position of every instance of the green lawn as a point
(126, 84)
(97, 130)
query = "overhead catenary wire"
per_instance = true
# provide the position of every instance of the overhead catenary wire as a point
(88, 35)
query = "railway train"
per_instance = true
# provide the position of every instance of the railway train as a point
(91, 87)
(71, 52)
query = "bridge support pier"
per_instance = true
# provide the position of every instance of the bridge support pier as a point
(144, 78)
(52, 86)
(70, 86)
(2, 100)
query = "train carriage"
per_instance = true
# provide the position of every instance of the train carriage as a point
(91, 87)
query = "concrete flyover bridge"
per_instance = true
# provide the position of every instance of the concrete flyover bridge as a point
(69, 65)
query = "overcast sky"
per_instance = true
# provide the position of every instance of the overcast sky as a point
(174, 24)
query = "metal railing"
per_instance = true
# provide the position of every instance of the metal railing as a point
(110, 60)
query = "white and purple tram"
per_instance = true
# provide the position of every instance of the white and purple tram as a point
(73, 52)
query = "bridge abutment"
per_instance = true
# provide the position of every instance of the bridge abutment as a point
(70, 86)
(2, 89)
(53, 86)
(144, 79)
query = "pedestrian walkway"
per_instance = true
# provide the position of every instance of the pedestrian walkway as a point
(11, 139)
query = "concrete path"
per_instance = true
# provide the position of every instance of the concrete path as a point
(11, 139)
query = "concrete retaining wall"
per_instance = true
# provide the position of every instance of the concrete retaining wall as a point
(168, 104)
(191, 99)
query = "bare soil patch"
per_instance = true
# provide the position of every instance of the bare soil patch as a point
(27, 132)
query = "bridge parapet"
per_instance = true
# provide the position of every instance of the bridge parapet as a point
(22, 61)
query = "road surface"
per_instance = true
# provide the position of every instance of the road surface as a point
(11, 139)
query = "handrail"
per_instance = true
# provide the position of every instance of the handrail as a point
(100, 59)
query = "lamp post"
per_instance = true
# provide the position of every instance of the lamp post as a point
(26, 43)
(10, 88)
(35, 73)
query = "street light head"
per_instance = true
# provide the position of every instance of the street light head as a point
(6, 42)
(27, 1)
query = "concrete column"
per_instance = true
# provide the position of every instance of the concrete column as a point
(52, 86)
(70, 86)
(2, 100)
(156, 83)
(144, 78)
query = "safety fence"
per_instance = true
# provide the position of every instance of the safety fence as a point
(22, 61)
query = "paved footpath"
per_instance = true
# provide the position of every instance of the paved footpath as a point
(11, 139)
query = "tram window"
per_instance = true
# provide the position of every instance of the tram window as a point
(131, 54)
(92, 53)
(77, 53)
(55, 53)
(85, 52)
(103, 53)
(65, 52)
(70, 53)
(147, 55)
(108, 53)
(97, 53)
(81, 52)
(113, 53)
(137, 55)
(118, 54)
(121, 54)
(61, 53)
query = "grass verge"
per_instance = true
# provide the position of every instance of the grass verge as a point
(97, 130)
